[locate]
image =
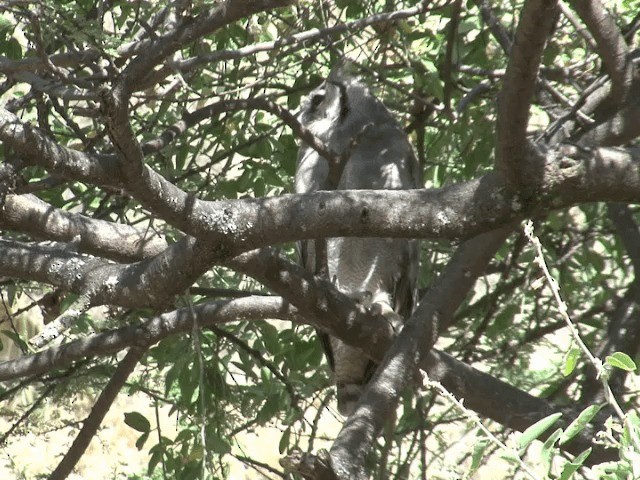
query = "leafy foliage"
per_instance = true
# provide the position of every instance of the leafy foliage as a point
(440, 71)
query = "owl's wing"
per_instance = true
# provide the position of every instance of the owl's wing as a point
(311, 175)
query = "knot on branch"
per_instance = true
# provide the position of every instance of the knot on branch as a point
(8, 180)
(308, 465)
(563, 164)
(111, 102)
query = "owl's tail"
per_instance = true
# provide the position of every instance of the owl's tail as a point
(352, 371)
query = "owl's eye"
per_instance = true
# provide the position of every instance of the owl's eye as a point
(317, 98)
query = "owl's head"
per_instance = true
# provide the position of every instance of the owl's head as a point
(341, 106)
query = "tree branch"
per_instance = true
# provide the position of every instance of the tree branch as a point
(150, 282)
(320, 304)
(98, 412)
(153, 51)
(317, 299)
(148, 332)
(535, 23)
(560, 178)
(505, 404)
(623, 331)
(497, 30)
(299, 38)
(619, 129)
(35, 64)
(611, 45)
(482, 392)
(123, 243)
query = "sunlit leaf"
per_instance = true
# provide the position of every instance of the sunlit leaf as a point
(537, 429)
(579, 423)
(622, 361)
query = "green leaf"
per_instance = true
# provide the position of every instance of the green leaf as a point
(631, 430)
(219, 445)
(197, 453)
(13, 50)
(17, 339)
(137, 421)
(5, 24)
(284, 441)
(269, 408)
(142, 440)
(570, 361)
(67, 301)
(479, 449)
(548, 448)
(571, 467)
(537, 429)
(622, 361)
(269, 336)
(579, 423)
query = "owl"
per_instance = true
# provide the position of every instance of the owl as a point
(376, 154)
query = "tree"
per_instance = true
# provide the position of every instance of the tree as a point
(147, 151)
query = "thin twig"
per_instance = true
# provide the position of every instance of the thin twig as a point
(475, 419)
(563, 309)
(98, 412)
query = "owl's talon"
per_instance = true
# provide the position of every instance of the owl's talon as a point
(364, 298)
(385, 310)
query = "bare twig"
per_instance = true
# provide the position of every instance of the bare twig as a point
(155, 50)
(98, 412)
(302, 37)
(575, 22)
(563, 310)
(513, 454)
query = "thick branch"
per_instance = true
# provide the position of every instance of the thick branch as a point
(29, 214)
(460, 211)
(536, 21)
(504, 403)
(623, 331)
(150, 282)
(320, 304)
(35, 64)
(619, 129)
(456, 212)
(623, 335)
(482, 392)
(114, 107)
(497, 30)
(611, 45)
(622, 218)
